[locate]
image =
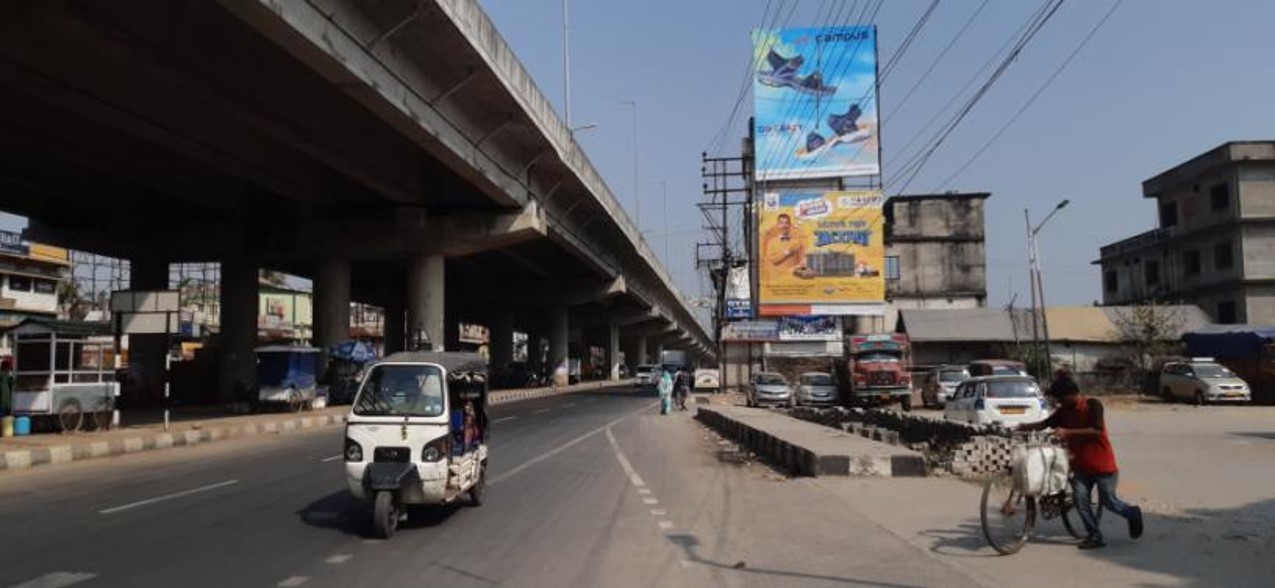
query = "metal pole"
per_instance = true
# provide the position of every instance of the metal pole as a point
(1044, 317)
(637, 200)
(566, 63)
(1031, 277)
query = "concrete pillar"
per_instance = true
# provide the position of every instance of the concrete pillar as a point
(613, 350)
(658, 352)
(239, 306)
(425, 285)
(559, 330)
(395, 318)
(501, 339)
(146, 352)
(332, 302)
(642, 346)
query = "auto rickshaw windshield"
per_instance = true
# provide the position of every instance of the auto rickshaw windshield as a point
(401, 390)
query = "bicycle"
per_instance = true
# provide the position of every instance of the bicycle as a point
(1008, 514)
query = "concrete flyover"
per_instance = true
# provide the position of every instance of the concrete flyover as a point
(396, 152)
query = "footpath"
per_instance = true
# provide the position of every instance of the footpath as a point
(51, 449)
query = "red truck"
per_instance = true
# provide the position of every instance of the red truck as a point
(875, 370)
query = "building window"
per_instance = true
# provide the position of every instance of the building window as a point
(1220, 196)
(45, 286)
(1168, 214)
(1151, 273)
(19, 283)
(1191, 262)
(891, 267)
(1223, 258)
(1226, 312)
(1110, 281)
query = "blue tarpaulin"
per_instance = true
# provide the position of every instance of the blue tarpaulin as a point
(1228, 341)
(355, 351)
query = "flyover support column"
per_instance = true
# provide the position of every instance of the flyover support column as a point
(238, 329)
(425, 285)
(146, 364)
(641, 347)
(559, 330)
(332, 303)
(613, 351)
(501, 340)
(658, 351)
(395, 318)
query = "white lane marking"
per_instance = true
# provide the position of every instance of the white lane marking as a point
(294, 581)
(503, 419)
(658, 512)
(644, 490)
(566, 446)
(56, 580)
(541, 411)
(665, 525)
(339, 558)
(589, 400)
(333, 458)
(624, 461)
(649, 500)
(115, 509)
(568, 405)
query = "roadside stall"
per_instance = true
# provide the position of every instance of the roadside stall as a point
(346, 360)
(287, 376)
(64, 374)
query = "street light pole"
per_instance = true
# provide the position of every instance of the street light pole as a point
(566, 64)
(1038, 285)
(637, 199)
(664, 184)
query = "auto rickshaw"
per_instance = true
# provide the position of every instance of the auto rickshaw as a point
(416, 434)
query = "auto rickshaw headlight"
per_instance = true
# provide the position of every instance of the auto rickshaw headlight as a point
(435, 450)
(353, 451)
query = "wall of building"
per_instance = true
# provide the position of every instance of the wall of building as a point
(1258, 255)
(1259, 304)
(31, 300)
(1257, 189)
(938, 268)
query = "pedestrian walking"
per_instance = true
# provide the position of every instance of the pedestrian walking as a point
(682, 387)
(1080, 424)
(665, 388)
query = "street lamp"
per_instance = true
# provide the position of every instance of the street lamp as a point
(587, 127)
(1037, 284)
(664, 184)
(566, 65)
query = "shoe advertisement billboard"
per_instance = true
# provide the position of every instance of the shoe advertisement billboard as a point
(815, 103)
(822, 253)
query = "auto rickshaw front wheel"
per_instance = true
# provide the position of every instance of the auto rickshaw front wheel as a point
(479, 488)
(385, 514)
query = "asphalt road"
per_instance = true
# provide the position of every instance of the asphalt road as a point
(275, 512)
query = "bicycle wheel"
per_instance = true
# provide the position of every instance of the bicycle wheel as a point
(1077, 528)
(1007, 515)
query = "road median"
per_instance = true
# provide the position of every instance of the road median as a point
(808, 449)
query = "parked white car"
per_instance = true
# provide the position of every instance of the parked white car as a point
(646, 375)
(1006, 400)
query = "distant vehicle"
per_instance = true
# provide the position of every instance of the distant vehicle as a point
(1202, 381)
(940, 383)
(646, 375)
(287, 376)
(1247, 350)
(707, 379)
(769, 388)
(816, 388)
(673, 359)
(1006, 400)
(875, 370)
(997, 367)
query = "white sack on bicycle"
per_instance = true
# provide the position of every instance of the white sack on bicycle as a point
(1039, 470)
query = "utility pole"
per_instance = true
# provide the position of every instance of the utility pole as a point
(566, 64)
(637, 199)
(1038, 287)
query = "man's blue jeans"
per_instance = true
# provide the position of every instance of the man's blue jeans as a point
(1082, 490)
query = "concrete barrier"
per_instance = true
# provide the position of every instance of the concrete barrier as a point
(809, 449)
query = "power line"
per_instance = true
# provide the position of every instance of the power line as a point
(960, 34)
(719, 138)
(1057, 71)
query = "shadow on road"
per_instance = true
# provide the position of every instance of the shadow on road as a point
(689, 543)
(341, 511)
(1258, 434)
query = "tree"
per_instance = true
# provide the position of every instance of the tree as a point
(1151, 332)
(70, 300)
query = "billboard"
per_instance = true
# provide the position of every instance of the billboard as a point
(821, 253)
(739, 303)
(754, 331)
(809, 328)
(815, 103)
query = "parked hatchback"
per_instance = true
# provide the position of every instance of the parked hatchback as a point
(941, 384)
(646, 375)
(769, 388)
(1006, 400)
(816, 388)
(1202, 381)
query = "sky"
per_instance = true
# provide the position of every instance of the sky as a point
(1160, 82)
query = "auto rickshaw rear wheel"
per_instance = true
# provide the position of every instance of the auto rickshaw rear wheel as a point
(479, 488)
(70, 415)
(385, 514)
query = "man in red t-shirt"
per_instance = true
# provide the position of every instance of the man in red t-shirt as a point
(1079, 423)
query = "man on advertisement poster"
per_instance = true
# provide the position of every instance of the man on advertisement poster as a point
(821, 248)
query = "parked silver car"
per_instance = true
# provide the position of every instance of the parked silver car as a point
(941, 384)
(815, 388)
(769, 388)
(1202, 381)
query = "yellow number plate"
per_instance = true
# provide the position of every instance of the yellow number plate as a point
(1012, 409)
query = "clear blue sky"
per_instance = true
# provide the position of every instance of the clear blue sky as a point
(1161, 82)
